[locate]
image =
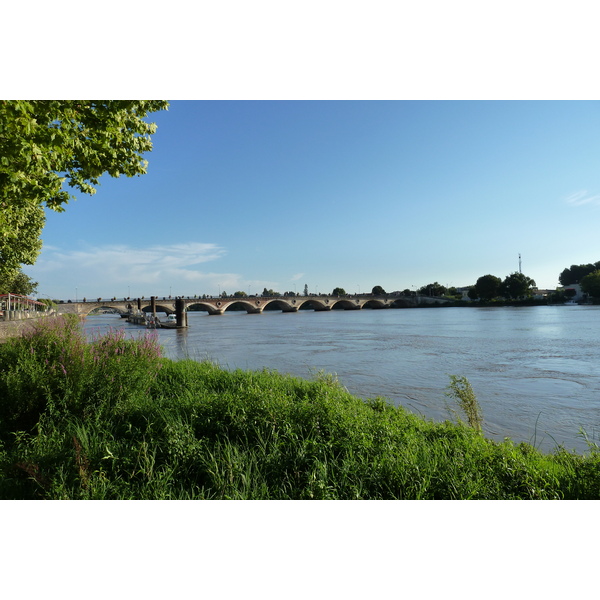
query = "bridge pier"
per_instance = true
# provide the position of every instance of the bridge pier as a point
(180, 313)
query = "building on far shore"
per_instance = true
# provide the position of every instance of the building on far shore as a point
(579, 295)
(464, 291)
(541, 294)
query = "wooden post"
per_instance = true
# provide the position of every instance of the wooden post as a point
(153, 305)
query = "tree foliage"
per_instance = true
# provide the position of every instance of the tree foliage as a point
(48, 302)
(517, 285)
(378, 291)
(432, 289)
(338, 291)
(45, 144)
(16, 282)
(487, 287)
(576, 273)
(590, 284)
(270, 293)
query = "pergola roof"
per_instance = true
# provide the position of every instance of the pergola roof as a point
(22, 300)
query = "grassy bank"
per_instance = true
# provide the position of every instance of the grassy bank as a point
(112, 419)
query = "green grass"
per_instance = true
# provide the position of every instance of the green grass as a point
(112, 419)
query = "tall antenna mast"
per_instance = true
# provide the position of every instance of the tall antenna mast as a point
(520, 262)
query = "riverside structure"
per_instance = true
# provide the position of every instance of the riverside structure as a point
(14, 307)
(252, 304)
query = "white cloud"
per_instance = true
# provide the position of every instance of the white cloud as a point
(123, 261)
(581, 198)
(297, 276)
(121, 270)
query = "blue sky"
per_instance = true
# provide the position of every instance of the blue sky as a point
(242, 195)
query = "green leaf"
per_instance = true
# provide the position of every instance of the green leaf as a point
(81, 138)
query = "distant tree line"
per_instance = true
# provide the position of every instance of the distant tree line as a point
(515, 286)
(575, 273)
(590, 284)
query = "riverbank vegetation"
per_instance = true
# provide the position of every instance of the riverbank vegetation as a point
(112, 419)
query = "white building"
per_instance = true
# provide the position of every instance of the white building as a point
(578, 297)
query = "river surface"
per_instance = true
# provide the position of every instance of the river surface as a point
(535, 370)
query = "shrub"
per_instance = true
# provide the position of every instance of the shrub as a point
(52, 367)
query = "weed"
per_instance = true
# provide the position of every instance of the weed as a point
(462, 393)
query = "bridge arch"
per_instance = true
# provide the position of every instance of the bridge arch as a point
(375, 303)
(316, 303)
(205, 307)
(159, 308)
(346, 304)
(240, 304)
(87, 310)
(282, 304)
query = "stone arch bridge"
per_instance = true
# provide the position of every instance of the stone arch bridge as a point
(252, 304)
